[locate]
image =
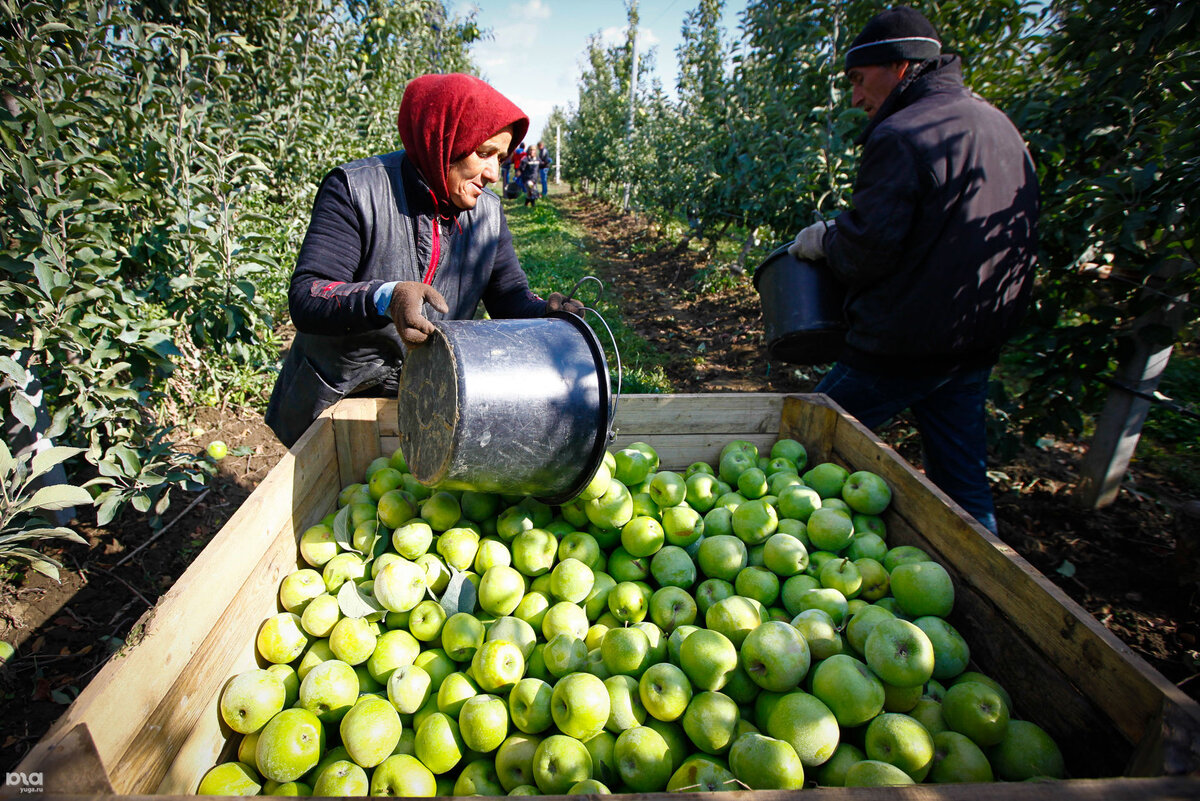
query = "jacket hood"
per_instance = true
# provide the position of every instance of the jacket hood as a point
(940, 74)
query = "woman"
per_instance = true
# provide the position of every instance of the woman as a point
(392, 234)
(530, 165)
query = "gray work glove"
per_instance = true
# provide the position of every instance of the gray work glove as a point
(408, 298)
(810, 242)
(558, 302)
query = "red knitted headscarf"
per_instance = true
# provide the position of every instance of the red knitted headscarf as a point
(444, 117)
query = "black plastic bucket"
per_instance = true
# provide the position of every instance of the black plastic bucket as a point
(802, 309)
(507, 406)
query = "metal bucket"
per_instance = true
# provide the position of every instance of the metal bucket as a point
(802, 309)
(507, 406)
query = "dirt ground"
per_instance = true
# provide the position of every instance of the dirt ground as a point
(1134, 565)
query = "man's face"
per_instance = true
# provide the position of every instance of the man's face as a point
(870, 85)
(468, 176)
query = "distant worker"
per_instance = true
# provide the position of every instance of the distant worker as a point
(937, 251)
(543, 153)
(399, 240)
(530, 167)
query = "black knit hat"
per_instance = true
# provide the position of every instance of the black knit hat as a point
(898, 34)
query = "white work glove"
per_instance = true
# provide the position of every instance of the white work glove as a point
(810, 242)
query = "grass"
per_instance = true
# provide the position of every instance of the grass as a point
(552, 253)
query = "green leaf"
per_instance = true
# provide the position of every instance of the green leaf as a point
(45, 567)
(45, 461)
(460, 593)
(7, 462)
(354, 602)
(56, 498)
(23, 410)
(341, 530)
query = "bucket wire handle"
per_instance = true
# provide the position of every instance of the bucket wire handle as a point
(612, 414)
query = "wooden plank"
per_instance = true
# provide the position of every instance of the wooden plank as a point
(811, 420)
(728, 414)
(356, 423)
(116, 706)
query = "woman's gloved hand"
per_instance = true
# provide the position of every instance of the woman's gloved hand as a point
(810, 242)
(408, 300)
(558, 302)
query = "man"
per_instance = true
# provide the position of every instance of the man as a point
(398, 240)
(543, 154)
(937, 252)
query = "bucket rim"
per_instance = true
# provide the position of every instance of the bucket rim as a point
(605, 415)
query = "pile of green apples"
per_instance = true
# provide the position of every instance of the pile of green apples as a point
(738, 625)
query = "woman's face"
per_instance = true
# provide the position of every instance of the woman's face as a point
(467, 177)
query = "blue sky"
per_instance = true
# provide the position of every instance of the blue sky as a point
(537, 46)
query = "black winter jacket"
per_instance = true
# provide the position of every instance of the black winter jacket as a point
(939, 248)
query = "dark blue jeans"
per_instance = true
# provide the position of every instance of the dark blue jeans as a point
(544, 172)
(950, 418)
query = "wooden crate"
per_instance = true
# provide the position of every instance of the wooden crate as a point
(148, 723)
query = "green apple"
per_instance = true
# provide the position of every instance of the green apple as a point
(752, 483)
(876, 583)
(250, 699)
(718, 521)
(830, 529)
(580, 705)
(759, 583)
(798, 502)
(866, 544)
(559, 762)
(643, 759)
(409, 688)
(514, 761)
(625, 650)
(625, 708)
(672, 607)
(702, 773)
(900, 740)
(529, 705)
(439, 744)
(571, 580)
(400, 586)
(700, 491)
(384, 480)
(565, 617)
(899, 653)
(863, 622)
(320, 614)
(611, 510)
(565, 654)
(457, 546)
(437, 573)
(483, 722)
(957, 759)
(437, 664)
(589, 787)
(875, 773)
(627, 602)
(596, 602)
(708, 658)
(462, 635)
(733, 463)
(534, 552)
(426, 620)
(833, 772)
(1026, 751)
(597, 484)
(370, 730)
(532, 608)
(779, 480)
(353, 640)
(604, 761)
(776, 656)
(709, 591)
(793, 588)
(792, 450)
(665, 691)
(866, 492)
(512, 521)
(403, 775)
(299, 587)
(785, 555)
(580, 545)
(441, 510)
(281, 638)
(976, 710)
(951, 654)
(289, 745)
(972, 675)
(842, 575)
(412, 538)
(492, 551)
(498, 665)
(633, 466)
(852, 692)
(765, 763)
(479, 506)
(805, 723)
(642, 536)
(393, 649)
(517, 631)
(754, 521)
(923, 588)
(671, 566)
(501, 588)
(454, 691)
(710, 721)
(314, 655)
(903, 554)
(827, 479)
(328, 691)
(624, 566)
(683, 525)
(735, 617)
(668, 488)
(823, 637)
(230, 778)
(318, 545)
(722, 556)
